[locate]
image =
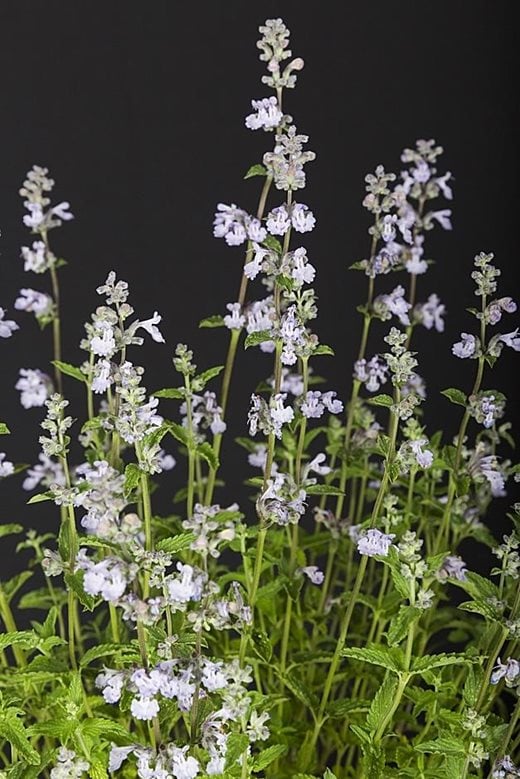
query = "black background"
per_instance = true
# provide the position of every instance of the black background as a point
(137, 109)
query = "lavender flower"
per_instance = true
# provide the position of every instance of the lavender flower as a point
(373, 542)
(509, 671)
(7, 326)
(466, 347)
(266, 114)
(35, 387)
(39, 303)
(6, 467)
(430, 314)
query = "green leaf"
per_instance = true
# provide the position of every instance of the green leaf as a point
(4, 430)
(12, 586)
(328, 774)
(40, 497)
(107, 729)
(323, 489)
(323, 349)
(203, 378)
(170, 392)
(212, 321)
(179, 432)
(237, 743)
(10, 530)
(484, 608)
(443, 746)
(455, 396)
(103, 650)
(268, 756)
(256, 170)
(381, 400)
(253, 339)
(299, 690)
(429, 662)
(342, 708)
(401, 623)
(69, 370)
(206, 451)
(273, 243)
(25, 638)
(13, 730)
(132, 477)
(74, 581)
(382, 703)
(390, 659)
(175, 544)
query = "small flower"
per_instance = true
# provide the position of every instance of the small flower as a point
(6, 467)
(235, 320)
(430, 313)
(424, 457)
(68, 765)
(443, 218)
(38, 303)
(313, 573)
(453, 567)
(257, 730)
(512, 340)
(302, 218)
(278, 221)
(150, 325)
(373, 542)
(373, 373)
(144, 708)
(466, 347)
(7, 326)
(267, 114)
(35, 387)
(509, 671)
(37, 258)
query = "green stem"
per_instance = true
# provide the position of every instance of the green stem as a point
(10, 624)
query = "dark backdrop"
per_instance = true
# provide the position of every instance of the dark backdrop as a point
(137, 109)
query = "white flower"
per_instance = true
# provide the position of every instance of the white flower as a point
(278, 221)
(267, 114)
(302, 271)
(430, 313)
(396, 304)
(466, 347)
(453, 567)
(111, 682)
(7, 326)
(47, 472)
(373, 373)
(117, 757)
(62, 211)
(102, 376)
(144, 708)
(183, 767)
(313, 573)
(279, 413)
(234, 320)
(107, 578)
(35, 216)
(510, 671)
(69, 766)
(35, 387)
(150, 325)
(6, 467)
(512, 340)
(489, 468)
(212, 676)
(443, 218)
(373, 542)
(315, 466)
(423, 456)
(38, 303)
(416, 264)
(187, 587)
(257, 730)
(103, 343)
(37, 258)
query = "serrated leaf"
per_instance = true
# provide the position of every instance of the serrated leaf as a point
(299, 690)
(25, 638)
(381, 400)
(206, 451)
(10, 529)
(74, 581)
(443, 746)
(175, 544)
(323, 349)
(455, 396)
(340, 709)
(328, 774)
(103, 650)
(69, 370)
(273, 243)
(132, 477)
(4, 430)
(179, 432)
(253, 339)
(169, 392)
(362, 733)
(236, 745)
(401, 623)
(212, 321)
(12, 729)
(268, 756)
(202, 379)
(482, 607)
(382, 703)
(256, 170)
(429, 662)
(12, 586)
(108, 729)
(323, 489)
(383, 657)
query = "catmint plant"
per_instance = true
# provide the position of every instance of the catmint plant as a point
(326, 623)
